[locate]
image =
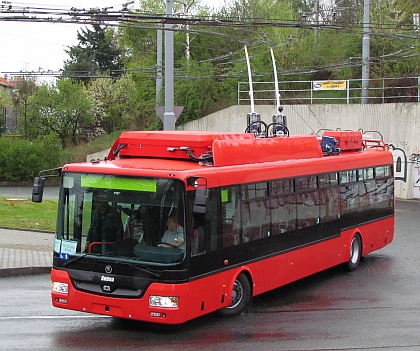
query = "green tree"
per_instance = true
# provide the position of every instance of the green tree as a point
(117, 105)
(407, 8)
(5, 101)
(195, 94)
(97, 52)
(65, 110)
(346, 12)
(390, 56)
(208, 79)
(25, 88)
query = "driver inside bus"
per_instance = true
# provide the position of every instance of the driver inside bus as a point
(106, 225)
(174, 236)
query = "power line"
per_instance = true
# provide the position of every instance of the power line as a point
(147, 21)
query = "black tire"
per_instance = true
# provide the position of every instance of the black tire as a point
(355, 253)
(241, 294)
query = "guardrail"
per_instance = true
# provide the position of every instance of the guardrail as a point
(384, 90)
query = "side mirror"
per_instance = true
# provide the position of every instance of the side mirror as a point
(200, 201)
(38, 189)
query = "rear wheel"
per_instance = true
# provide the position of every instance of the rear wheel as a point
(355, 253)
(241, 294)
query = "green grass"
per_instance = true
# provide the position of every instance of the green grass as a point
(25, 214)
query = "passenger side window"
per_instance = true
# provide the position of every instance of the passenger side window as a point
(283, 214)
(307, 209)
(329, 197)
(231, 216)
(255, 211)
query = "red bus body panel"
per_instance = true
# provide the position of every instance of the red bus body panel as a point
(239, 152)
(159, 144)
(347, 140)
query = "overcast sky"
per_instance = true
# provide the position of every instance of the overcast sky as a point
(40, 46)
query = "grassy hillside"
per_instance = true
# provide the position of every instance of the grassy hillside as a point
(79, 153)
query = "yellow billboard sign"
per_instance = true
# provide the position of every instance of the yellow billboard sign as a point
(330, 85)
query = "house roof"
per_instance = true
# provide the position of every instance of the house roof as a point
(5, 83)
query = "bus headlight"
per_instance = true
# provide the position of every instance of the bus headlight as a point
(163, 301)
(58, 287)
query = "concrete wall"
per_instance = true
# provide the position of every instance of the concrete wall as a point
(100, 155)
(399, 125)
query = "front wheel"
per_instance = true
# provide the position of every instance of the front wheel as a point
(355, 253)
(241, 294)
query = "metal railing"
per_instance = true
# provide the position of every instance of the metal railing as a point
(384, 90)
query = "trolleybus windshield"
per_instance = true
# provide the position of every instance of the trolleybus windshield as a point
(120, 217)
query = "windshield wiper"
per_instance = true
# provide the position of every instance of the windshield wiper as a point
(73, 260)
(157, 275)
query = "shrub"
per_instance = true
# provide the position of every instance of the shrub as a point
(21, 160)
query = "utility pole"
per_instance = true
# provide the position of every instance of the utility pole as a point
(365, 52)
(169, 115)
(159, 66)
(316, 11)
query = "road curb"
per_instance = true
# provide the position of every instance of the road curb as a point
(28, 229)
(22, 271)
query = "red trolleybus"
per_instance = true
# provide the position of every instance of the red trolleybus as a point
(253, 214)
